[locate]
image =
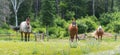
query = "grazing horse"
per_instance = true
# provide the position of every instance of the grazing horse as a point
(73, 29)
(25, 28)
(99, 32)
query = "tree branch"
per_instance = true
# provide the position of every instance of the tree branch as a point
(20, 1)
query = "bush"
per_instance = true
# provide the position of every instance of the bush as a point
(36, 24)
(108, 18)
(57, 32)
(113, 27)
(60, 22)
(82, 28)
(53, 31)
(41, 30)
(87, 24)
(117, 27)
(109, 28)
(5, 26)
(91, 25)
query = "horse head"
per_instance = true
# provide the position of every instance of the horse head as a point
(28, 22)
(99, 28)
(74, 23)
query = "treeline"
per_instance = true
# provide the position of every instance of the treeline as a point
(56, 15)
(66, 9)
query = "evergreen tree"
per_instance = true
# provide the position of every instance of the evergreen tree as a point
(25, 10)
(47, 12)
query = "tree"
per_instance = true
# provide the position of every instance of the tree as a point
(112, 5)
(93, 6)
(25, 10)
(106, 5)
(36, 8)
(79, 7)
(117, 4)
(57, 6)
(16, 4)
(4, 11)
(47, 13)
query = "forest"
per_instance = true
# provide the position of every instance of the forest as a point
(54, 16)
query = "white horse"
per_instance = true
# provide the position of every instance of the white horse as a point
(25, 28)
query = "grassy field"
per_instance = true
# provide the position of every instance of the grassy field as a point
(60, 47)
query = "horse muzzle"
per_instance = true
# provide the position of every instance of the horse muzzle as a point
(73, 25)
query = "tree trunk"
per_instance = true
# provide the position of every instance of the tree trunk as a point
(16, 19)
(16, 5)
(36, 9)
(57, 6)
(106, 5)
(112, 4)
(93, 7)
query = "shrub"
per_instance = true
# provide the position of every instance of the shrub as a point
(36, 24)
(113, 27)
(57, 32)
(82, 28)
(5, 26)
(117, 27)
(60, 22)
(108, 18)
(87, 24)
(109, 28)
(41, 30)
(91, 25)
(53, 31)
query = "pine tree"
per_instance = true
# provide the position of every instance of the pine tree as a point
(47, 14)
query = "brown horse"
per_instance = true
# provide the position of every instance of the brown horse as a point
(25, 28)
(99, 32)
(73, 29)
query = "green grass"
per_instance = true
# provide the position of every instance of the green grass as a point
(56, 47)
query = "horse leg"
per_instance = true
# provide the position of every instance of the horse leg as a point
(101, 37)
(71, 37)
(76, 37)
(21, 36)
(25, 36)
(98, 37)
(28, 36)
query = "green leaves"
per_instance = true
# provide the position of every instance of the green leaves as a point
(47, 13)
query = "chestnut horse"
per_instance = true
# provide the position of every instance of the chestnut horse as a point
(25, 28)
(73, 29)
(99, 32)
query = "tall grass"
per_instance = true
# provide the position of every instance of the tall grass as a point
(56, 47)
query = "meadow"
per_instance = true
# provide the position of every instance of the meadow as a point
(108, 46)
